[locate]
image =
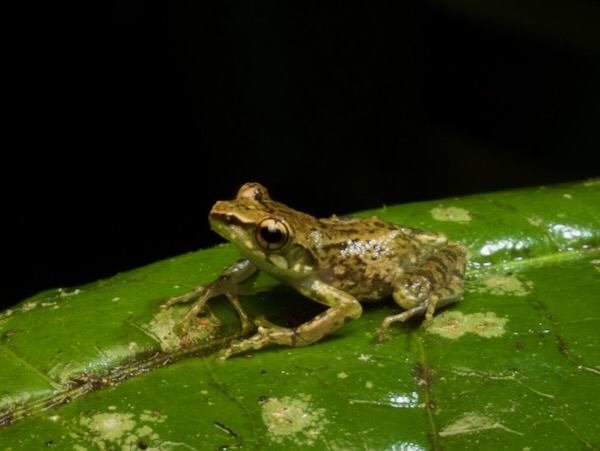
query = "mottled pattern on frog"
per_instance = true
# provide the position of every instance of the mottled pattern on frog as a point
(368, 255)
(361, 256)
(338, 262)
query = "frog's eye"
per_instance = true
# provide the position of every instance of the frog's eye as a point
(272, 234)
(253, 191)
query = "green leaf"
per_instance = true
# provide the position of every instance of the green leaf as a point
(515, 365)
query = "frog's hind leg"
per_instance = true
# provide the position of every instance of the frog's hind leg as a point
(342, 308)
(436, 282)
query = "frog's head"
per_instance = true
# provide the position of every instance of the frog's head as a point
(271, 235)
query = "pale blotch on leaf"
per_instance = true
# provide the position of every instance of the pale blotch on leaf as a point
(161, 327)
(500, 284)
(454, 214)
(28, 306)
(454, 324)
(64, 293)
(536, 221)
(109, 427)
(120, 430)
(151, 416)
(294, 420)
(591, 182)
(164, 323)
(472, 422)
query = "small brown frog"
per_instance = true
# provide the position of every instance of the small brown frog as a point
(338, 262)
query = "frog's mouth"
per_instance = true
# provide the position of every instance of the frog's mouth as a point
(225, 225)
(232, 229)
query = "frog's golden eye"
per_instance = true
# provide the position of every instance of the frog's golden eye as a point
(253, 191)
(272, 234)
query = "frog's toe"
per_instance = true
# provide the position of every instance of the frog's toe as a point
(182, 299)
(223, 355)
(378, 338)
(182, 328)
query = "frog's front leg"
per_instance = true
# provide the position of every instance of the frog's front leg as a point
(342, 308)
(436, 282)
(235, 280)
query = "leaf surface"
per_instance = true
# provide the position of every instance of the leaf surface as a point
(515, 365)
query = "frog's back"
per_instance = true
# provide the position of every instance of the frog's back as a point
(363, 256)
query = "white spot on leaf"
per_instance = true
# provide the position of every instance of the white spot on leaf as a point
(454, 324)
(454, 214)
(500, 284)
(294, 420)
(120, 430)
(472, 422)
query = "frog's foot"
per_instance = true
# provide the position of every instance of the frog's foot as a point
(436, 282)
(400, 318)
(202, 295)
(343, 308)
(190, 318)
(220, 287)
(198, 308)
(442, 297)
(268, 333)
(198, 292)
(257, 341)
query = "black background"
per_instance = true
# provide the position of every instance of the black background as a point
(129, 119)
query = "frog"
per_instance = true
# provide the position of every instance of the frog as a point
(340, 262)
